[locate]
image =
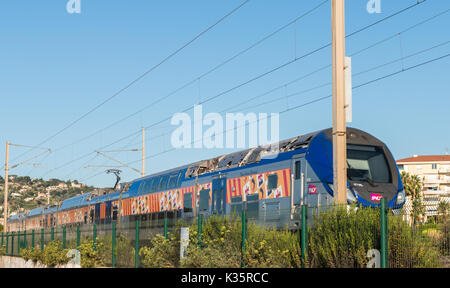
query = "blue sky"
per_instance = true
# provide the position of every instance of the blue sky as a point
(56, 66)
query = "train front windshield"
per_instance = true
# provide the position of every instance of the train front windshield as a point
(367, 164)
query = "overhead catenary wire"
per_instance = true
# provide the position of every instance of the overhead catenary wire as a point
(199, 77)
(307, 103)
(264, 74)
(143, 75)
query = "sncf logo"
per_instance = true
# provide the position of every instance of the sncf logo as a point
(312, 189)
(375, 197)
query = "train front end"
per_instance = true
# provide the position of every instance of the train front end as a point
(372, 173)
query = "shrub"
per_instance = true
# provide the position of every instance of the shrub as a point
(32, 254)
(269, 248)
(54, 254)
(91, 257)
(3, 250)
(221, 244)
(162, 252)
(340, 238)
(412, 247)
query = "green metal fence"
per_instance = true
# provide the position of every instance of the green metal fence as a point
(337, 236)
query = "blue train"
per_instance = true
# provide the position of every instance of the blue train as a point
(270, 182)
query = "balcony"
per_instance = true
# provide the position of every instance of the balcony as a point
(444, 170)
(444, 180)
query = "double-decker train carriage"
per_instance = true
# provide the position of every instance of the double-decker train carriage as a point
(269, 182)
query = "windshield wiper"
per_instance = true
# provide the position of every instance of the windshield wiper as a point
(370, 181)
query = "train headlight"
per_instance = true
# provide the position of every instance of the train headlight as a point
(400, 198)
(350, 196)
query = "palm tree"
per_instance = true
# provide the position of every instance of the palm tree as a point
(412, 185)
(443, 208)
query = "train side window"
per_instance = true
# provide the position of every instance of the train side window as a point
(149, 186)
(141, 186)
(204, 200)
(236, 205)
(115, 212)
(187, 202)
(253, 205)
(273, 181)
(163, 183)
(298, 170)
(180, 177)
(155, 184)
(172, 181)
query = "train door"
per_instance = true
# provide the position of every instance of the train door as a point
(219, 195)
(97, 213)
(108, 212)
(299, 176)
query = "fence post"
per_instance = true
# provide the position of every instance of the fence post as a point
(200, 230)
(32, 239)
(25, 239)
(78, 235)
(166, 236)
(52, 234)
(383, 228)
(64, 237)
(2, 240)
(244, 235)
(94, 236)
(304, 234)
(42, 239)
(7, 243)
(113, 245)
(136, 250)
(12, 244)
(18, 243)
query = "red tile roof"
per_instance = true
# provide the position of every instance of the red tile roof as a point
(426, 158)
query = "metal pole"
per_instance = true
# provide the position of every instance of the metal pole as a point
(113, 245)
(7, 243)
(94, 236)
(32, 239)
(18, 243)
(136, 250)
(78, 235)
(165, 226)
(304, 234)
(200, 230)
(42, 239)
(12, 244)
(2, 240)
(64, 237)
(52, 234)
(25, 239)
(339, 122)
(5, 205)
(383, 228)
(244, 235)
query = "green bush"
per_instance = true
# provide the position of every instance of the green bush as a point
(3, 250)
(221, 244)
(340, 238)
(162, 253)
(32, 254)
(91, 257)
(54, 254)
(413, 247)
(270, 248)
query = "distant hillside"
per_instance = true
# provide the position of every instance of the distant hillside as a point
(26, 193)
